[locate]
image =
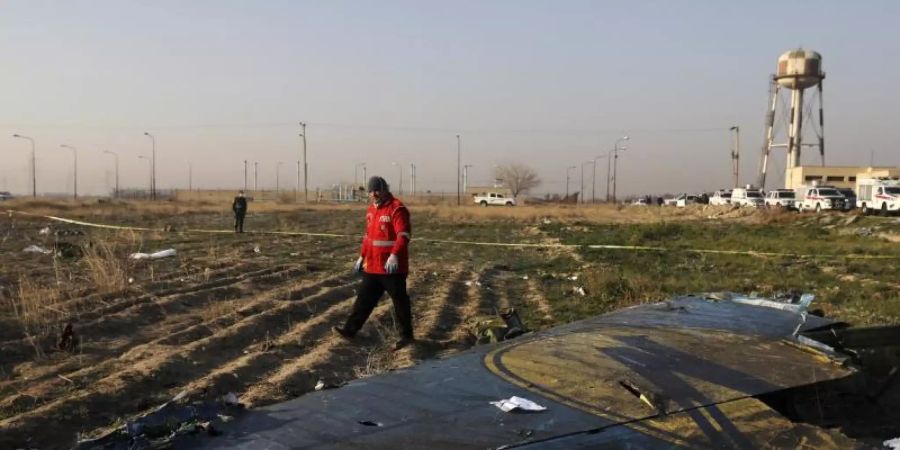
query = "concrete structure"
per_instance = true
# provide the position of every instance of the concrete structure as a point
(838, 176)
(797, 71)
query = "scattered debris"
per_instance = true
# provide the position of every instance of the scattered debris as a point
(169, 228)
(579, 290)
(294, 254)
(322, 385)
(256, 249)
(37, 249)
(67, 340)
(524, 277)
(45, 230)
(505, 326)
(572, 278)
(546, 221)
(130, 280)
(471, 283)
(893, 444)
(518, 403)
(369, 423)
(160, 254)
(230, 399)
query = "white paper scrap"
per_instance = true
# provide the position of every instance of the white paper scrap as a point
(514, 402)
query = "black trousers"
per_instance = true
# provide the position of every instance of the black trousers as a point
(373, 287)
(239, 221)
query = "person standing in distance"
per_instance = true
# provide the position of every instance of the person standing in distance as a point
(239, 206)
(383, 262)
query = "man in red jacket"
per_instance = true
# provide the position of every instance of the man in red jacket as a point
(384, 263)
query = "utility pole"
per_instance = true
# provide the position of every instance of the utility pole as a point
(566, 199)
(616, 164)
(297, 185)
(190, 176)
(255, 175)
(458, 164)
(116, 156)
(152, 166)
(245, 175)
(412, 179)
(277, 175)
(305, 164)
(736, 154)
(33, 165)
(74, 170)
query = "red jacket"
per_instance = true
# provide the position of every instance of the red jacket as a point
(388, 232)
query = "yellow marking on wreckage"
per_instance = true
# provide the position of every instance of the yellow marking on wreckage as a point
(585, 370)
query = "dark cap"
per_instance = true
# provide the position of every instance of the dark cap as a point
(377, 184)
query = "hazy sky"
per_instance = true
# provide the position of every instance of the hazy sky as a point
(548, 83)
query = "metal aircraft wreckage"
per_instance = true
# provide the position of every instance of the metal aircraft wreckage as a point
(707, 371)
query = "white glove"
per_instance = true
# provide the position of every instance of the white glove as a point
(358, 267)
(392, 264)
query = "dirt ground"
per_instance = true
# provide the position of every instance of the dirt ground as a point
(251, 313)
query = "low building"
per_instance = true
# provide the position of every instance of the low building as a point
(838, 176)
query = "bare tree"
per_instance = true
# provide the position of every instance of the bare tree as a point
(519, 178)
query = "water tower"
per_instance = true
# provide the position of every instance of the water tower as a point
(797, 71)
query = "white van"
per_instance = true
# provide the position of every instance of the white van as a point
(747, 197)
(818, 199)
(878, 194)
(721, 197)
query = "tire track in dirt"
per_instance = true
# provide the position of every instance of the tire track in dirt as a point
(442, 323)
(155, 370)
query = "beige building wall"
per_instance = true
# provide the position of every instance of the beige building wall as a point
(838, 176)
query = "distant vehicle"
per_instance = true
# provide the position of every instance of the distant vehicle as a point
(747, 197)
(493, 198)
(721, 197)
(683, 200)
(850, 196)
(5, 196)
(641, 202)
(781, 198)
(881, 195)
(818, 199)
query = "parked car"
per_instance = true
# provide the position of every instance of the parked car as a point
(850, 196)
(642, 201)
(819, 199)
(747, 197)
(5, 196)
(721, 197)
(493, 198)
(781, 198)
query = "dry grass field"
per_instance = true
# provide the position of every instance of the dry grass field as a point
(251, 313)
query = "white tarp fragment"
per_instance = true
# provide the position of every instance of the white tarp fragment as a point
(509, 404)
(160, 254)
(892, 443)
(37, 249)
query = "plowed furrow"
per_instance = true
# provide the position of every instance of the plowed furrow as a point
(150, 376)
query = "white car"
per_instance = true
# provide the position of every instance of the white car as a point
(682, 200)
(747, 197)
(640, 202)
(5, 196)
(493, 198)
(781, 198)
(818, 199)
(721, 197)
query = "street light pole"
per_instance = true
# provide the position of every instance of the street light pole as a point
(255, 175)
(116, 156)
(412, 179)
(277, 175)
(33, 165)
(736, 154)
(616, 164)
(458, 164)
(399, 172)
(190, 176)
(152, 166)
(566, 199)
(305, 164)
(245, 175)
(75, 170)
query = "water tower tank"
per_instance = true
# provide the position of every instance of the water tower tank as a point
(799, 69)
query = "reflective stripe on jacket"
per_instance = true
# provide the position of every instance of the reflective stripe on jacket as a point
(388, 231)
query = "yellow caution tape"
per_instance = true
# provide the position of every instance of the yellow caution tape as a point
(491, 244)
